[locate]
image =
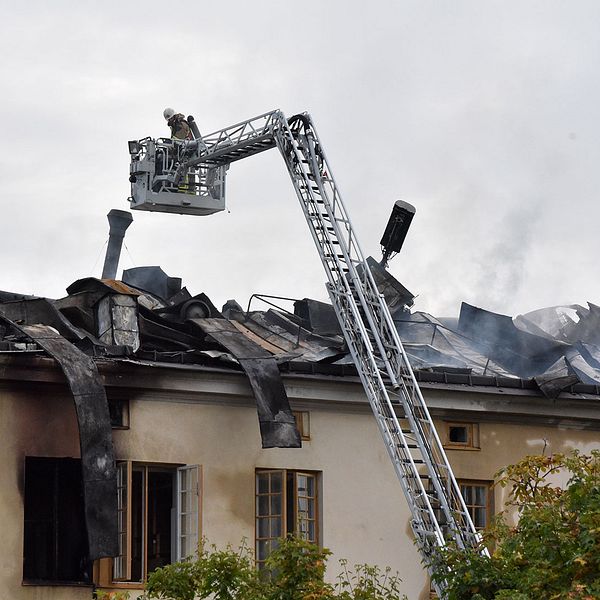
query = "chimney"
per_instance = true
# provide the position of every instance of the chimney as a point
(119, 221)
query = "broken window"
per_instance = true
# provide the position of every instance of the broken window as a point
(55, 538)
(286, 502)
(478, 497)
(158, 517)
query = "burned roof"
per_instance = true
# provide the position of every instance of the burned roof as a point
(150, 317)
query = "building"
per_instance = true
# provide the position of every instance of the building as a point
(137, 418)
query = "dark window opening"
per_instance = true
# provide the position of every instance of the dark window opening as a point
(55, 544)
(160, 506)
(137, 524)
(464, 436)
(458, 435)
(118, 410)
(151, 520)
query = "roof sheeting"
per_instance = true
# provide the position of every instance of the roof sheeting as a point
(552, 349)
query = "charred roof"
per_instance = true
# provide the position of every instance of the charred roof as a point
(149, 317)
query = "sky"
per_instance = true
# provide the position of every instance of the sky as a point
(484, 115)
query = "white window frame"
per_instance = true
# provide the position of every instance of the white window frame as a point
(122, 562)
(187, 537)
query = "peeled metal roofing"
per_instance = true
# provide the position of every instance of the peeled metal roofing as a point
(553, 348)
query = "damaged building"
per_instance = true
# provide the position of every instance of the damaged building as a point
(138, 417)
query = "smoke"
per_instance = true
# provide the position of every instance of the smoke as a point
(500, 273)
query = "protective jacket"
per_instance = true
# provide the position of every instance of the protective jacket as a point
(179, 127)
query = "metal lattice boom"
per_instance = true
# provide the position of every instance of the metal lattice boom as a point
(439, 513)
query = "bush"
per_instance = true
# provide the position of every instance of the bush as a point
(553, 552)
(295, 570)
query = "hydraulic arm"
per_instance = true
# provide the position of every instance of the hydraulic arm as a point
(439, 514)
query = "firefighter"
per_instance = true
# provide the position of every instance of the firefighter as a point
(180, 128)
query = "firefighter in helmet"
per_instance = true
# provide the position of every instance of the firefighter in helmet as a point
(180, 128)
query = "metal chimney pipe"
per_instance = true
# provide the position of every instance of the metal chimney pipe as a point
(119, 221)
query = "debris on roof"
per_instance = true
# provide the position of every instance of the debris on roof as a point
(149, 316)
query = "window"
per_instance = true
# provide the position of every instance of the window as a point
(55, 543)
(286, 502)
(302, 423)
(462, 436)
(118, 409)
(158, 517)
(478, 496)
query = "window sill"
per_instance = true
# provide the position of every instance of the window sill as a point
(123, 585)
(460, 447)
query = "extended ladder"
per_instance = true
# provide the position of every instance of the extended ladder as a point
(439, 513)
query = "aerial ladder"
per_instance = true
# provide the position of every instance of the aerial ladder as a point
(188, 177)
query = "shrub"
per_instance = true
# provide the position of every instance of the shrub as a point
(295, 570)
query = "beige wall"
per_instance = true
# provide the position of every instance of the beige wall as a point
(506, 443)
(364, 517)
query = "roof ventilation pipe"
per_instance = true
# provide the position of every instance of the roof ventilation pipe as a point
(119, 221)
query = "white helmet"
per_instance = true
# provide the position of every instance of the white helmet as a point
(168, 113)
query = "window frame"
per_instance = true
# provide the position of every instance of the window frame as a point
(179, 513)
(473, 439)
(285, 517)
(110, 577)
(489, 505)
(302, 418)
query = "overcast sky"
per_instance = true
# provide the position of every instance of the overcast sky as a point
(484, 115)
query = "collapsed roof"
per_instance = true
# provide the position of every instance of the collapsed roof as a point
(149, 316)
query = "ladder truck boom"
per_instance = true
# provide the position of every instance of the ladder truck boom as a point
(161, 169)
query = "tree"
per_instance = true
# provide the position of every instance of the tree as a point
(553, 552)
(295, 571)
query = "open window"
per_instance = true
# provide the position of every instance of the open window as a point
(286, 502)
(55, 538)
(158, 511)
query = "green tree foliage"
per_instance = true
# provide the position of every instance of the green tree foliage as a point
(553, 553)
(295, 571)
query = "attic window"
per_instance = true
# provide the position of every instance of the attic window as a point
(462, 435)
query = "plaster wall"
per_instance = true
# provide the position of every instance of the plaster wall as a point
(364, 515)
